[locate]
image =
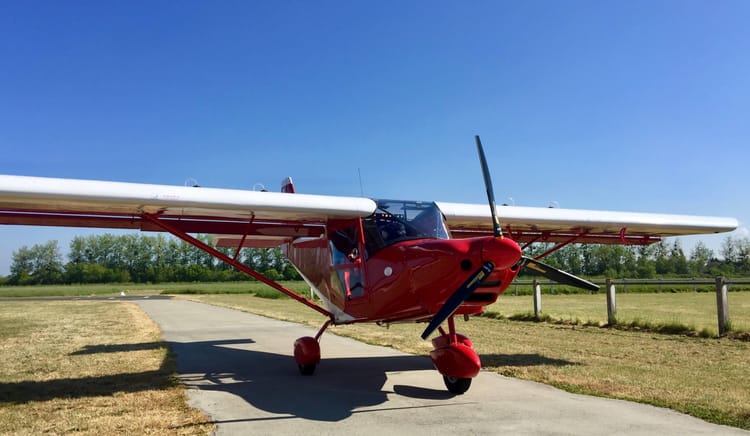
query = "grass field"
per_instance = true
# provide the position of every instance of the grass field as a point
(245, 287)
(695, 310)
(703, 377)
(88, 368)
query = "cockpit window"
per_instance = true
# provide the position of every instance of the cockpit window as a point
(395, 221)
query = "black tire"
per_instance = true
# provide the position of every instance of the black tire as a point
(457, 385)
(307, 369)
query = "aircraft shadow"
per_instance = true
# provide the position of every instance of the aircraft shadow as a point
(272, 383)
(267, 381)
(27, 391)
(522, 360)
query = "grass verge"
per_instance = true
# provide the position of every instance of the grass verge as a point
(243, 287)
(706, 378)
(683, 313)
(88, 368)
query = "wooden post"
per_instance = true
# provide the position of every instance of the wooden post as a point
(722, 305)
(611, 304)
(537, 290)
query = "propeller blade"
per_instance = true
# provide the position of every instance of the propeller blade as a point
(496, 228)
(458, 297)
(557, 275)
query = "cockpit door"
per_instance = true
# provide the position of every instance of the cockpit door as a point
(347, 272)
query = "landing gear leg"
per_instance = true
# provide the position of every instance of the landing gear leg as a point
(307, 351)
(454, 357)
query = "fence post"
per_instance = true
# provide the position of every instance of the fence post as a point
(537, 291)
(611, 304)
(722, 305)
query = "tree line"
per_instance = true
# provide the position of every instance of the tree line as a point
(662, 259)
(137, 258)
(156, 259)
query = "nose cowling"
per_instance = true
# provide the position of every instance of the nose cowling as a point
(503, 252)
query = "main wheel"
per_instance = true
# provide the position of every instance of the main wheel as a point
(306, 369)
(457, 385)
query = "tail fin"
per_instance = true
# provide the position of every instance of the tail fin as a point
(287, 186)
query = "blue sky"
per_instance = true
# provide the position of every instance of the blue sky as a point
(637, 105)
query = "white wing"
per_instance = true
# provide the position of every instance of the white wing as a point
(86, 203)
(593, 226)
(270, 218)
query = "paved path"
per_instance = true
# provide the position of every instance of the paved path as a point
(243, 375)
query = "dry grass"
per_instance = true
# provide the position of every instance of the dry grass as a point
(88, 368)
(706, 378)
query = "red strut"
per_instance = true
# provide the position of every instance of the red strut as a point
(237, 265)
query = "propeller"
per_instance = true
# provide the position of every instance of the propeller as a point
(496, 227)
(468, 287)
(458, 297)
(556, 275)
(550, 272)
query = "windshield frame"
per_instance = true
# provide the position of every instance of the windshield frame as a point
(403, 220)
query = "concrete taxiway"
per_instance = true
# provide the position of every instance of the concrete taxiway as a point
(240, 371)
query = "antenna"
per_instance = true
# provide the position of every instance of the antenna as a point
(361, 190)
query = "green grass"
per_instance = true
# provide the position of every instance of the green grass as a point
(653, 288)
(244, 287)
(667, 312)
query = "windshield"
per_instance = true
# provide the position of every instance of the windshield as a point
(398, 220)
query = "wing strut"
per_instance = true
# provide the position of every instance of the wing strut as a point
(233, 263)
(558, 246)
(244, 237)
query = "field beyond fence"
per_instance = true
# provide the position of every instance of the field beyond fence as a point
(695, 310)
(681, 303)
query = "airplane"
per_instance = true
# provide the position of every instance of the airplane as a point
(366, 260)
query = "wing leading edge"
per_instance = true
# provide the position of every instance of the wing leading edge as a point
(271, 218)
(526, 224)
(88, 203)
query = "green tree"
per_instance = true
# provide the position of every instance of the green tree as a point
(700, 257)
(40, 264)
(678, 263)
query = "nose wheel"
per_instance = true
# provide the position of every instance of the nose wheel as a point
(454, 357)
(308, 369)
(457, 385)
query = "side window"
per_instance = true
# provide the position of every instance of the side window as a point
(343, 244)
(346, 260)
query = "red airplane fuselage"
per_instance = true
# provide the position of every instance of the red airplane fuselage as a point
(388, 268)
